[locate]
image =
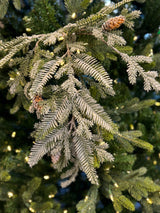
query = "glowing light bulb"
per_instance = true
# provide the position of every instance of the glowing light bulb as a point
(148, 158)
(154, 162)
(108, 168)
(30, 201)
(157, 103)
(10, 194)
(28, 29)
(135, 38)
(46, 177)
(116, 185)
(61, 38)
(11, 79)
(31, 209)
(9, 148)
(51, 196)
(111, 197)
(116, 81)
(73, 16)
(26, 159)
(13, 135)
(149, 201)
(131, 126)
(62, 63)
(102, 143)
(78, 51)
(65, 211)
(17, 150)
(86, 198)
(151, 53)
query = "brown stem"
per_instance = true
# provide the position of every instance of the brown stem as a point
(72, 124)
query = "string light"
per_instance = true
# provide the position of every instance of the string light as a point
(78, 51)
(108, 168)
(51, 196)
(151, 53)
(149, 201)
(9, 148)
(31, 209)
(46, 177)
(65, 211)
(18, 73)
(116, 81)
(86, 198)
(11, 79)
(26, 159)
(13, 135)
(73, 16)
(111, 197)
(116, 185)
(101, 143)
(128, 172)
(157, 103)
(148, 158)
(10, 194)
(30, 201)
(135, 38)
(154, 162)
(61, 38)
(28, 29)
(62, 63)
(131, 126)
(17, 150)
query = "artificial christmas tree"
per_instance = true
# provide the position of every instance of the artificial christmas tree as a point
(59, 73)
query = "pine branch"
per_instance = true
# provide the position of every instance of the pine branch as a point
(43, 76)
(42, 147)
(53, 119)
(84, 154)
(88, 205)
(93, 111)
(90, 66)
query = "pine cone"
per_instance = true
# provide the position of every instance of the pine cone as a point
(36, 100)
(113, 23)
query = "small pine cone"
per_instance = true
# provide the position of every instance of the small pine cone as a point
(36, 100)
(55, 158)
(113, 23)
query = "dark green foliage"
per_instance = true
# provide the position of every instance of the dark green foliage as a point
(44, 17)
(54, 68)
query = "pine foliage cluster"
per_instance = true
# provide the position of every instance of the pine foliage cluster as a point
(52, 74)
(4, 6)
